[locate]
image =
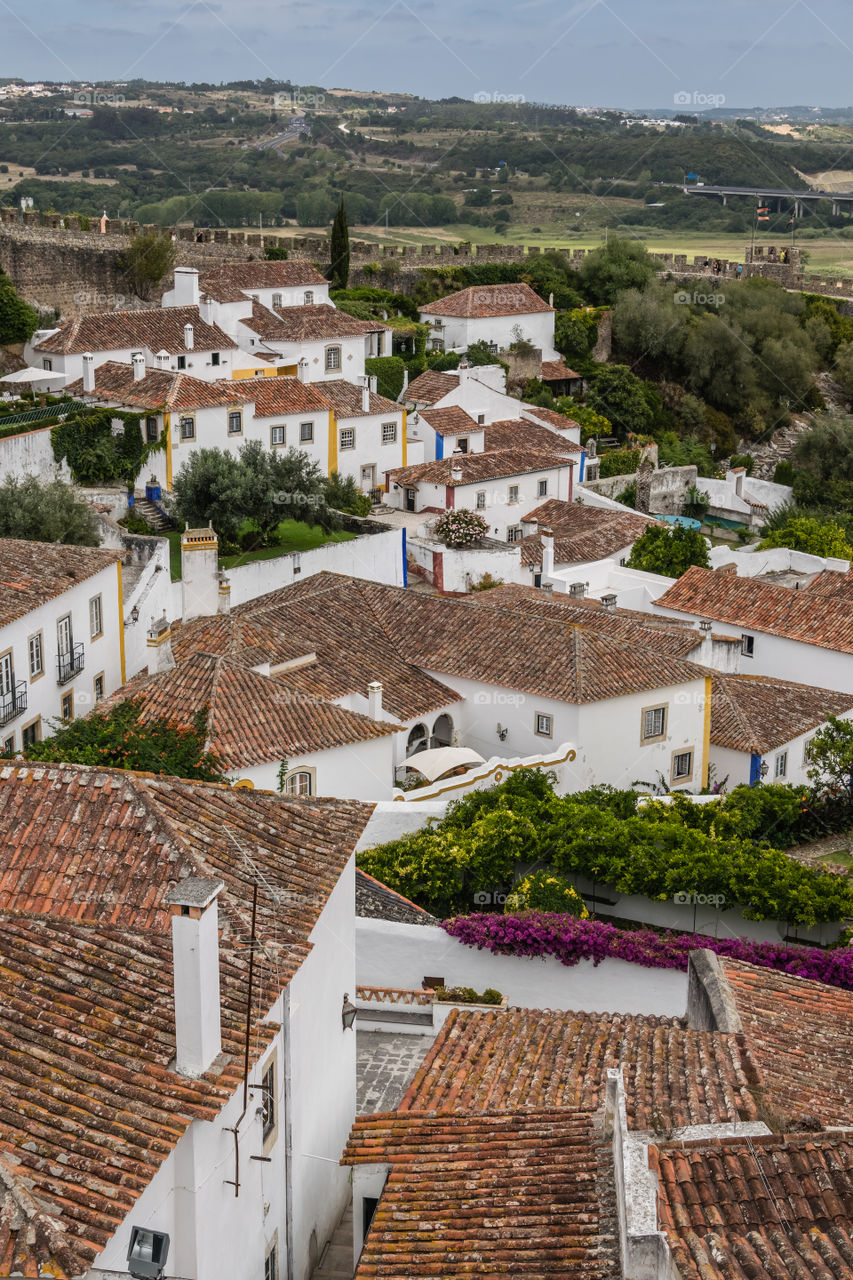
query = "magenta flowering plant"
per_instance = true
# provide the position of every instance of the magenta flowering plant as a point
(572, 940)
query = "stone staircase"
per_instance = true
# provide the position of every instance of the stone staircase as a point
(336, 1261)
(152, 515)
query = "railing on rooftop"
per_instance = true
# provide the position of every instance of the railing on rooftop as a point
(40, 414)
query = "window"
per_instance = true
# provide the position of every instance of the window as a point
(7, 676)
(682, 766)
(542, 488)
(47, 365)
(347, 437)
(389, 432)
(277, 300)
(151, 430)
(98, 687)
(64, 636)
(781, 765)
(514, 533)
(306, 432)
(512, 494)
(9, 746)
(271, 1264)
(481, 500)
(807, 751)
(308, 297)
(298, 784)
(544, 725)
(67, 706)
(268, 1099)
(654, 723)
(333, 358)
(235, 423)
(276, 435)
(31, 733)
(96, 617)
(214, 357)
(747, 646)
(188, 428)
(462, 444)
(35, 648)
(182, 362)
(481, 418)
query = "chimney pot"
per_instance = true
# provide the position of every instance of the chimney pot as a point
(374, 700)
(195, 966)
(365, 396)
(138, 360)
(189, 337)
(547, 538)
(88, 372)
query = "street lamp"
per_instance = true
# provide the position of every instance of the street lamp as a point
(349, 1013)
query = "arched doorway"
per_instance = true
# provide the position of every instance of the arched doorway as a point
(442, 732)
(417, 740)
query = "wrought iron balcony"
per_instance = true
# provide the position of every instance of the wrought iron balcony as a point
(13, 702)
(69, 663)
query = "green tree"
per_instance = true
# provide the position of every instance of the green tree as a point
(18, 320)
(210, 488)
(278, 486)
(343, 494)
(119, 740)
(612, 268)
(669, 550)
(146, 260)
(576, 333)
(831, 756)
(339, 274)
(618, 394)
(814, 536)
(275, 253)
(46, 512)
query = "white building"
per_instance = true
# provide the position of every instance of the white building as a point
(273, 284)
(739, 497)
(61, 635)
(146, 1119)
(177, 339)
(369, 435)
(331, 343)
(761, 727)
(499, 314)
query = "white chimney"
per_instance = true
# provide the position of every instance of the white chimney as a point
(547, 537)
(88, 372)
(373, 383)
(456, 471)
(302, 370)
(374, 700)
(138, 360)
(186, 287)
(550, 299)
(189, 337)
(205, 310)
(365, 396)
(163, 360)
(405, 383)
(195, 968)
(608, 601)
(200, 583)
(739, 479)
(159, 646)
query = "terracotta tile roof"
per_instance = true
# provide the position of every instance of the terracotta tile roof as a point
(550, 655)
(275, 397)
(519, 1195)
(159, 389)
(520, 433)
(504, 1062)
(33, 572)
(451, 421)
(549, 416)
(646, 630)
(329, 615)
(800, 1034)
(557, 371)
(306, 324)
(771, 1208)
(157, 328)
(345, 398)
(760, 713)
(760, 606)
(430, 387)
(482, 301)
(831, 583)
(90, 1105)
(479, 467)
(233, 280)
(251, 718)
(581, 532)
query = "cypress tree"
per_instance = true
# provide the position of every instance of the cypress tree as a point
(340, 249)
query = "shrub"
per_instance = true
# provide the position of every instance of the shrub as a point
(784, 473)
(811, 535)
(467, 995)
(460, 528)
(669, 550)
(388, 371)
(343, 494)
(546, 891)
(49, 512)
(618, 462)
(744, 460)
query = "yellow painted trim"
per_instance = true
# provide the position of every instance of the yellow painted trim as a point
(167, 427)
(287, 370)
(404, 438)
(706, 735)
(121, 624)
(333, 442)
(497, 772)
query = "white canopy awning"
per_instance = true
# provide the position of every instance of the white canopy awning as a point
(440, 760)
(31, 374)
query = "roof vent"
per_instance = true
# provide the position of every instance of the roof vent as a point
(608, 601)
(577, 590)
(705, 626)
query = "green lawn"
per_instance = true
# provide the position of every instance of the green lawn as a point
(839, 859)
(294, 535)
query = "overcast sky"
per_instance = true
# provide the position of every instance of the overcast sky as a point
(624, 53)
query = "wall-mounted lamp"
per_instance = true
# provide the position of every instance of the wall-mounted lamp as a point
(134, 614)
(502, 732)
(147, 1253)
(764, 769)
(349, 1013)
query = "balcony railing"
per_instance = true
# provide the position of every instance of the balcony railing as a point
(13, 702)
(70, 663)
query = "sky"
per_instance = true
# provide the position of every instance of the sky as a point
(620, 53)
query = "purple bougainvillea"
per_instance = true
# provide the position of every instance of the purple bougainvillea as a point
(571, 940)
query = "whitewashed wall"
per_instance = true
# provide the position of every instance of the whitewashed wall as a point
(360, 771)
(376, 556)
(459, 333)
(30, 454)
